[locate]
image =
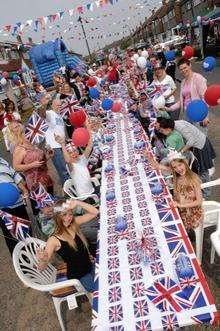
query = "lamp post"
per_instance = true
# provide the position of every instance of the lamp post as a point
(130, 31)
(84, 33)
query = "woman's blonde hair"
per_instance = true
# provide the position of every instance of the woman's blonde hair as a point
(60, 229)
(191, 177)
(17, 138)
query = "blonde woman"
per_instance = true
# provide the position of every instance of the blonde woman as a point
(29, 159)
(69, 242)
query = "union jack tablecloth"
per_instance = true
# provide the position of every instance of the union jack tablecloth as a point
(131, 295)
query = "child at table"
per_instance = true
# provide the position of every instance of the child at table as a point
(186, 189)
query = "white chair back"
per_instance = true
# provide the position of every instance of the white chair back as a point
(211, 218)
(25, 264)
(211, 183)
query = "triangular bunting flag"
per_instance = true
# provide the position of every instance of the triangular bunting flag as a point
(54, 17)
(7, 28)
(14, 30)
(71, 12)
(61, 14)
(29, 22)
(36, 25)
(80, 9)
(97, 3)
(45, 19)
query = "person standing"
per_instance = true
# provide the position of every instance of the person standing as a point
(56, 127)
(166, 82)
(193, 87)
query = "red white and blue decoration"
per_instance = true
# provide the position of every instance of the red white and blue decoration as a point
(18, 227)
(132, 292)
(36, 128)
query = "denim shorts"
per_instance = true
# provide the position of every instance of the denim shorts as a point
(88, 280)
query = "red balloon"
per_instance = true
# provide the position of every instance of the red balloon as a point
(212, 95)
(77, 118)
(80, 137)
(99, 73)
(188, 52)
(116, 107)
(5, 74)
(91, 82)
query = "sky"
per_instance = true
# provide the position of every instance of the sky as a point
(105, 25)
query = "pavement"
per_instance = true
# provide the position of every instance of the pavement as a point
(24, 309)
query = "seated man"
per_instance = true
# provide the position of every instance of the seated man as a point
(200, 145)
(173, 140)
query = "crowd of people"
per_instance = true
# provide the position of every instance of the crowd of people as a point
(181, 148)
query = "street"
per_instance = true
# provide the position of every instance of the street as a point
(21, 302)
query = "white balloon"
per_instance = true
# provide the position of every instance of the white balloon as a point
(91, 72)
(145, 54)
(141, 62)
(199, 19)
(159, 102)
(136, 56)
(3, 81)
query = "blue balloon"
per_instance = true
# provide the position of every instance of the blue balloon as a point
(209, 63)
(107, 104)
(110, 195)
(170, 55)
(137, 130)
(102, 83)
(15, 78)
(109, 168)
(109, 138)
(9, 195)
(139, 144)
(183, 266)
(94, 93)
(197, 111)
(157, 189)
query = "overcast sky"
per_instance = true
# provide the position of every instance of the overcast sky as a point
(120, 19)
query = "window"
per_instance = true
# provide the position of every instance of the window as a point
(188, 5)
(196, 2)
(14, 54)
(26, 55)
(1, 55)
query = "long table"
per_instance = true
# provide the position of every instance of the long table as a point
(130, 294)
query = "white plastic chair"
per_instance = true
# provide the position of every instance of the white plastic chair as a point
(211, 183)
(215, 239)
(211, 218)
(25, 264)
(69, 189)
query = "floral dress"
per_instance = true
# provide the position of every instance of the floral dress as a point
(36, 175)
(192, 216)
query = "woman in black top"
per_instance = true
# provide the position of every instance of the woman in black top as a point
(69, 242)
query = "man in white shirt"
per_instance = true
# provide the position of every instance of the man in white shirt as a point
(56, 128)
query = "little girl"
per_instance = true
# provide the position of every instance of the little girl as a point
(186, 189)
(79, 172)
